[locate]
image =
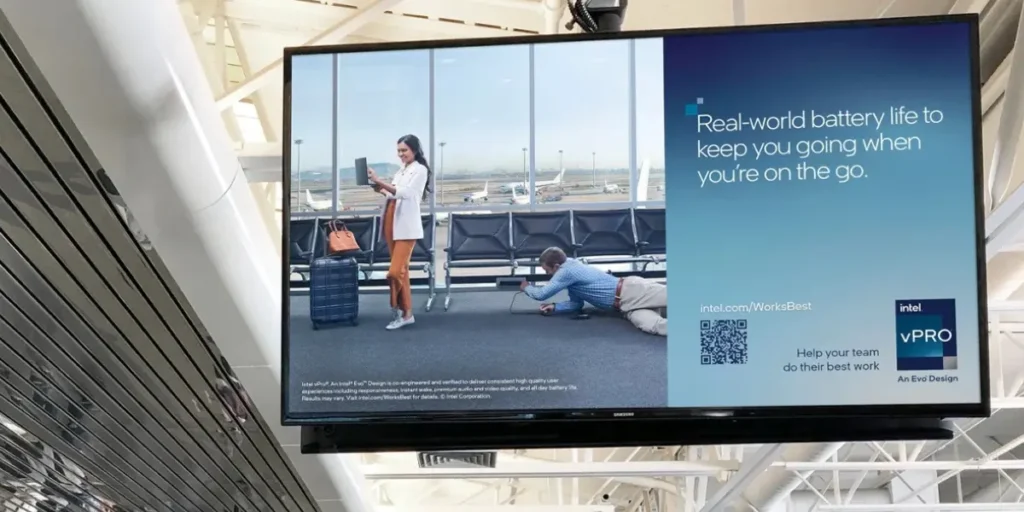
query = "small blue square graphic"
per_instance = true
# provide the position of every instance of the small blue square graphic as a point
(691, 109)
(700, 101)
(926, 334)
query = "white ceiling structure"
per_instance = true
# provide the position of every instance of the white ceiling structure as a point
(240, 43)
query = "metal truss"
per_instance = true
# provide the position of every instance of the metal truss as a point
(221, 45)
(686, 481)
(540, 469)
(333, 34)
(833, 476)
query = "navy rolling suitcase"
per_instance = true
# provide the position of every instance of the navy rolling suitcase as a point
(333, 292)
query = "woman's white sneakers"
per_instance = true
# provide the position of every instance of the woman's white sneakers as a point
(400, 322)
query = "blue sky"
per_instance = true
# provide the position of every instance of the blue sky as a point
(482, 104)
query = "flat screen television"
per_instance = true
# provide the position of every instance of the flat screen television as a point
(801, 201)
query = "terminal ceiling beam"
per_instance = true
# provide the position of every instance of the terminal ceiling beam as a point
(335, 33)
(1005, 223)
(968, 6)
(499, 508)
(409, 28)
(530, 5)
(425, 20)
(268, 125)
(886, 9)
(739, 12)
(1008, 135)
(925, 507)
(213, 57)
(553, 11)
(775, 484)
(937, 465)
(608, 482)
(752, 469)
(258, 149)
(1006, 306)
(1008, 403)
(557, 470)
(992, 456)
(995, 87)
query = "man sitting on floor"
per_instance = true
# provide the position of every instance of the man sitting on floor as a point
(640, 300)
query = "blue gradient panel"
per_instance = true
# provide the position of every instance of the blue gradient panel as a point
(814, 261)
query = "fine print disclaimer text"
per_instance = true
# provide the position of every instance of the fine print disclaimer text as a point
(843, 360)
(452, 389)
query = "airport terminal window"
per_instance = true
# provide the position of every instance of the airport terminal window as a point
(311, 133)
(582, 120)
(482, 125)
(650, 119)
(381, 96)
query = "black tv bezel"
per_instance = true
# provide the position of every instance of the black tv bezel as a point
(556, 417)
(397, 437)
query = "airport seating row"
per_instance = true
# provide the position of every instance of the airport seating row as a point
(493, 240)
(308, 240)
(517, 239)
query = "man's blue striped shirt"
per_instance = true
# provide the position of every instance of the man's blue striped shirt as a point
(584, 283)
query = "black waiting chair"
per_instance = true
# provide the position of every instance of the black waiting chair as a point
(650, 233)
(302, 235)
(605, 234)
(477, 241)
(533, 232)
(422, 254)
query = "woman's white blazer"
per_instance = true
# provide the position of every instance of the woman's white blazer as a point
(409, 183)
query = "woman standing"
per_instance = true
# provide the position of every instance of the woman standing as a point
(402, 224)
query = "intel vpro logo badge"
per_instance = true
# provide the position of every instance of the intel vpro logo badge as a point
(926, 334)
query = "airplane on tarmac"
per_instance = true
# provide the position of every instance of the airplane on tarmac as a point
(518, 199)
(610, 188)
(477, 196)
(539, 185)
(556, 181)
(318, 205)
(643, 180)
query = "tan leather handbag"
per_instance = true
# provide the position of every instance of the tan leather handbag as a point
(340, 239)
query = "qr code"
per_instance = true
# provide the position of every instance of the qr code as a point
(723, 342)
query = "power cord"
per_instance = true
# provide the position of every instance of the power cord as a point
(512, 309)
(512, 306)
(581, 16)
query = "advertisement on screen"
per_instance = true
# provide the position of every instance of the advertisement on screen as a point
(511, 227)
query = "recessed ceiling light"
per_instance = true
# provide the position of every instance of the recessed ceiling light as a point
(447, 61)
(506, 80)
